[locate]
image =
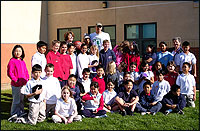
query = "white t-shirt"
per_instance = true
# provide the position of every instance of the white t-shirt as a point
(53, 89)
(186, 83)
(66, 109)
(135, 76)
(149, 75)
(40, 59)
(28, 90)
(160, 89)
(82, 62)
(74, 63)
(97, 39)
(92, 58)
(109, 97)
(182, 57)
(86, 84)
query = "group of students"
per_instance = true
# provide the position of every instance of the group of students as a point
(70, 82)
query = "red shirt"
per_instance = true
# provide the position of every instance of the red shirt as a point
(129, 58)
(88, 97)
(56, 61)
(66, 65)
(101, 82)
(171, 77)
(155, 77)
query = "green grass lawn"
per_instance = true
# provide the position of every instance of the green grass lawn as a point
(173, 121)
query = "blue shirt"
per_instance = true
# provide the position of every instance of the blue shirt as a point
(165, 57)
(127, 97)
(106, 57)
(145, 99)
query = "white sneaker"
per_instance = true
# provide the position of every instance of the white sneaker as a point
(103, 116)
(143, 113)
(96, 117)
(12, 117)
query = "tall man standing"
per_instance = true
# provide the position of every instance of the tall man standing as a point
(99, 36)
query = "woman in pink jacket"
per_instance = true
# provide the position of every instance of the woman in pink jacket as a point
(18, 73)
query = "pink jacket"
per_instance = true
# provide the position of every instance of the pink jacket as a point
(66, 65)
(56, 61)
(17, 72)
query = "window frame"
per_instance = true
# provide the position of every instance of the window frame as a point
(58, 35)
(140, 41)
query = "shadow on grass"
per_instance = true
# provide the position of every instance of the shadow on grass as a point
(6, 102)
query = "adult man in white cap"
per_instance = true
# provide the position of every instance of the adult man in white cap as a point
(99, 36)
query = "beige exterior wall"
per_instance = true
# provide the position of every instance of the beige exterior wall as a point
(20, 24)
(174, 18)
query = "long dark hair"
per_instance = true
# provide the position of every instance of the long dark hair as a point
(15, 47)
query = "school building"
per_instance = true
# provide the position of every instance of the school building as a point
(146, 22)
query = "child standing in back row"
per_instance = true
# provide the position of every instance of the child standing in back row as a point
(18, 73)
(53, 57)
(187, 56)
(66, 63)
(93, 60)
(82, 60)
(39, 56)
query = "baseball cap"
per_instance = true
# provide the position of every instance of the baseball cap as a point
(86, 36)
(98, 24)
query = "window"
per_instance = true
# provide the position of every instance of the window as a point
(76, 31)
(110, 29)
(142, 34)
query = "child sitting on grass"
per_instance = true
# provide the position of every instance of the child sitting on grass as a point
(71, 82)
(126, 100)
(160, 87)
(147, 101)
(109, 95)
(66, 109)
(93, 105)
(174, 101)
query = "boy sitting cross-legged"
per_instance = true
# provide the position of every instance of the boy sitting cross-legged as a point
(147, 101)
(126, 100)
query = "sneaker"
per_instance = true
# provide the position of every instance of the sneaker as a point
(123, 113)
(103, 116)
(153, 113)
(23, 114)
(167, 112)
(12, 117)
(21, 120)
(143, 113)
(180, 112)
(130, 113)
(83, 116)
(96, 117)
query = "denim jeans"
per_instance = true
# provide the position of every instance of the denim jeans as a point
(18, 101)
